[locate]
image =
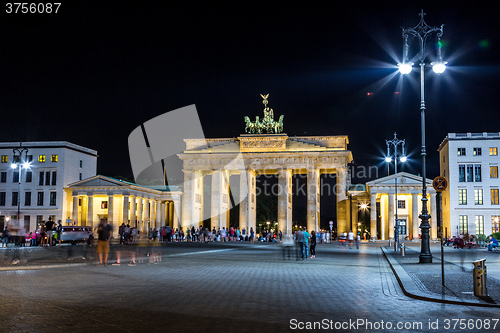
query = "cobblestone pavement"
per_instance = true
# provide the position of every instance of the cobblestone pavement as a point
(223, 288)
(458, 270)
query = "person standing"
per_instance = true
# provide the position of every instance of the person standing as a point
(5, 237)
(358, 241)
(313, 244)
(306, 243)
(299, 243)
(104, 237)
(252, 235)
(59, 232)
(49, 226)
(350, 238)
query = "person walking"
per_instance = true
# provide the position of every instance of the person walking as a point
(5, 237)
(104, 237)
(350, 238)
(312, 247)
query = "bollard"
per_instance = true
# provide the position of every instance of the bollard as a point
(479, 275)
(403, 250)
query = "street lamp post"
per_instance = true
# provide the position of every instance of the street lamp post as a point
(395, 142)
(421, 31)
(18, 163)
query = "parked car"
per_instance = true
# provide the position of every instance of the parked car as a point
(75, 234)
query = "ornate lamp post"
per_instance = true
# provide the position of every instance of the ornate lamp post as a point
(421, 31)
(395, 142)
(19, 163)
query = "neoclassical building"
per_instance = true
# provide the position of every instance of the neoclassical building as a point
(379, 197)
(104, 198)
(250, 155)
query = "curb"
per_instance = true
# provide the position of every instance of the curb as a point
(410, 288)
(26, 268)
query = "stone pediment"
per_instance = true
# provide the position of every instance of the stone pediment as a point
(403, 179)
(100, 181)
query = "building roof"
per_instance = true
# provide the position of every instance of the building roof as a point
(469, 136)
(48, 144)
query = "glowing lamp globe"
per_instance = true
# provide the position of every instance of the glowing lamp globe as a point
(405, 68)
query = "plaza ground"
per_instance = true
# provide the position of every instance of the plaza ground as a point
(231, 287)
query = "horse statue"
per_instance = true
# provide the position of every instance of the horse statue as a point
(278, 126)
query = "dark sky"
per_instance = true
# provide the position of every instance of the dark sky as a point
(96, 70)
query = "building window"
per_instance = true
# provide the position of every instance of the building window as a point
(39, 199)
(493, 151)
(476, 151)
(54, 177)
(47, 178)
(41, 158)
(495, 223)
(477, 172)
(494, 171)
(29, 176)
(40, 180)
(15, 197)
(2, 198)
(470, 173)
(81, 177)
(461, 151)
(479, 225)
(478, 196)
(494, 196)
(104, 205)
(53, 196)
(3, 177)
(462, 196)
(15, 177)
(4, 158)
(461, 173)
(81, 164)
(27, 198)
(463, 225)
(401, 204)
(53, 158)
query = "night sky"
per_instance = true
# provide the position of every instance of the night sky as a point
(96, 70)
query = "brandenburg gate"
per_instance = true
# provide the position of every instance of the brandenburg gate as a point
(257, 153)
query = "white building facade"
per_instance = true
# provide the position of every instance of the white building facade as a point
(470, 162)
(53, 165)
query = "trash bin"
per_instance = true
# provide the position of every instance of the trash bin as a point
(403, 249)
(480, 278)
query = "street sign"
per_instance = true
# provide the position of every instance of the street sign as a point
(440, 184)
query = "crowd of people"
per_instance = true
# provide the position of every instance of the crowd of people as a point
(47, 234)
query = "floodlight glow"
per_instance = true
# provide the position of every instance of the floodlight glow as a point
(403, 159)
(26, 165)
(405, 68)
(439, 67)
(388, 159)
(13, 165)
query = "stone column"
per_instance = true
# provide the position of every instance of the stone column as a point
(140, 218)
(373, 217)
(111, 220)
(391, 216)
(285, 201)
(90, 211)
(176, 209)
(159, 213)
(126, 207)
(342, 201)
(74, 213)
(163, 214)
(433, 207)
(216, 205)
(252, 201)
(188, 199)
(244, 199)
(133, 210)
(354, 215)
(414, 216)
(313, 182)
(146, 218)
